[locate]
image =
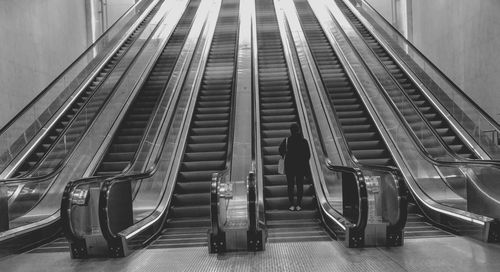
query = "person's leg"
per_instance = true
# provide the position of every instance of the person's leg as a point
(300, 188)
(290, 181)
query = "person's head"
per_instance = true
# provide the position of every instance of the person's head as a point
(294, 129)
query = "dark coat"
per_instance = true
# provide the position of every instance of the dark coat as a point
(296, 154)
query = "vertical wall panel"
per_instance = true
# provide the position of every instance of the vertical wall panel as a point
(38, 40)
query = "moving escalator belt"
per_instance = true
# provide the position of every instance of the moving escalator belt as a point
(69, 125)
(207, 143)
(361, 134)
(278, 111)
(128, 137)
(432, 115)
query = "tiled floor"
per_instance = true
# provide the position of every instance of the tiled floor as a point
(435, 254)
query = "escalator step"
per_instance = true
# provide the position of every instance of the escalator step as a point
(190, 211)
(114, 166)
(204, 156)
(282, 215)
(209, 147)
(121, 156)
(208, 131)
(195, 176)
(187, 225)
(282, 191)
(192, 187)
(282, 203)
(201, 198)
(202, 165)
(200, 139)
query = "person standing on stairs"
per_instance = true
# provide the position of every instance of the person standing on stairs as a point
(295, 151)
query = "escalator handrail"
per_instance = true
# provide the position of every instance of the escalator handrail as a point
(397, 176)
(214, 203)
(256, 135)
(65, 211)
(434, 67)
(24, 179)
(362, 193)
(81, 56)
(252, 203)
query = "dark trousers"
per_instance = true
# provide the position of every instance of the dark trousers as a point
(293, 179)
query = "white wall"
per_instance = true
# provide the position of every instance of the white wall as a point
(38, 40)
(116, 8)
(462, 38)
(384, 7)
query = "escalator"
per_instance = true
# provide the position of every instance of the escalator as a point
(278, 111)
(413, 92)
(128, 137)
(77, 118)
(207, 144)
(359, 129)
